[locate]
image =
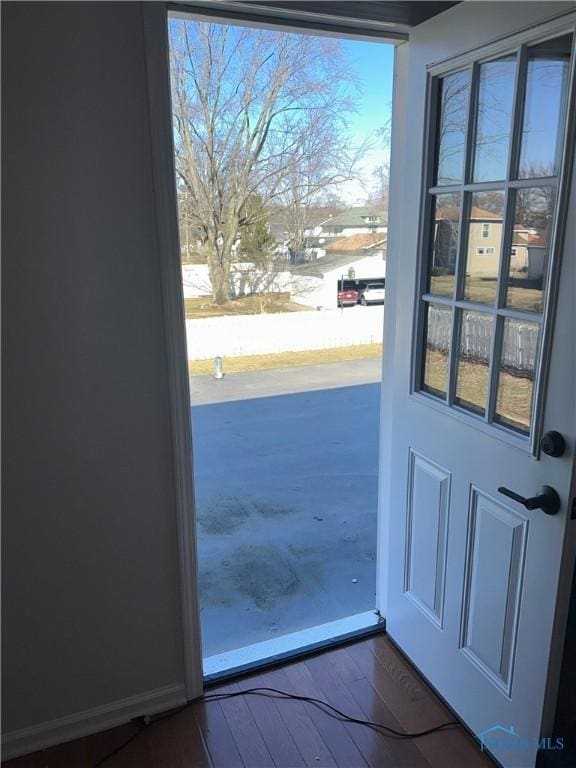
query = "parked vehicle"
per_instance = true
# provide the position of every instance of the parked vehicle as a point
(372, 294)
(347, 298)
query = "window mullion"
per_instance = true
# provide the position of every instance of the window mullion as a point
(518, 117)
(507, 232)
(471, 124)
(544, 181)
(462, 233)
(426, 234)
(493, 374)
(453, 358)
(447, 189)
(464, 198)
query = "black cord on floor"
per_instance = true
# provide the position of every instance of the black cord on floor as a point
(275, 693)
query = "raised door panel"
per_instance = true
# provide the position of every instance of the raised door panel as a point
(426, 536)
(492, 594)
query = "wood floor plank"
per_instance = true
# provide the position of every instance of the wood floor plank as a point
(373, 746)
(415, 705)
(62, 756)
(102, 744)
(341, 664)
(404, 694)
(177, 742)
(244, 730)
(413, 686)
(368, 679)
(138, 752)
(217, 735)
(310, 743)
(270, 722)
(26, 761)
(335, 734)
(404, 752)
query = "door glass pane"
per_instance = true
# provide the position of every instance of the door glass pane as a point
(491, 233)
(472, 374)
(533, 212)
(493, 121)
(453, 98)
(516, 373)
(484, 239)
(446, 222)
(437, 335)
(544, 107)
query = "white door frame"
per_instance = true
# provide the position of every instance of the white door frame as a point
(399, 93)
(155, 18)
(157, 71)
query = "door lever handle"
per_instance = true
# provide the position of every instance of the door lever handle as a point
(547, 500)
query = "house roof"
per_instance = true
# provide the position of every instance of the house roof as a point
(476, 214)
(483, 214)
(279, 220)
(355, 243)
(528, 238)
(355, 217)
(330, 262)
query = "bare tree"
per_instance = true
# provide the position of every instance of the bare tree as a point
(381, 174)
(256, 113)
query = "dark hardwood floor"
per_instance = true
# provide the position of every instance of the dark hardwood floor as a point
(368, 679)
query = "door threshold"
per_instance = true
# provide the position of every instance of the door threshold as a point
(294, 644)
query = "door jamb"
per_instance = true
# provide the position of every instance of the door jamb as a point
(155, 18)
(155, 24)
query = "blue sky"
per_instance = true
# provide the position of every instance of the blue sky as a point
(374, 66)
(373, 63)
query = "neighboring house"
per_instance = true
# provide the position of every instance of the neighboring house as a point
(355, 221)
(484, 240)
(315, 247)
(358, 243)
(283, 223)
(348, 262)
(527, 254)
(360, 221)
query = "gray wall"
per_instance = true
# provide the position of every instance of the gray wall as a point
(91, 601)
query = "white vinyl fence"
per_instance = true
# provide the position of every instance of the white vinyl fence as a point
(196, 280)
(520, 343)
(283, 332)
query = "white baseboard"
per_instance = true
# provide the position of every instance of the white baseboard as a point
(89, 721)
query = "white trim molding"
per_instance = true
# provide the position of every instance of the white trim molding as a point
(89, 721)
(155, 21)
(292, 20)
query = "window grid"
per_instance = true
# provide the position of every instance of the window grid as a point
(509, 185)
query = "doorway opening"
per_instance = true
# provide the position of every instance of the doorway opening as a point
(281, 157)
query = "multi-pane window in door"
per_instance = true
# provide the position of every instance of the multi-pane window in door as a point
(491, 207)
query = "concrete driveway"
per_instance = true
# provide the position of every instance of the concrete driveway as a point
(286, 489)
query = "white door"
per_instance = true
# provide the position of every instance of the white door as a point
(480, 365)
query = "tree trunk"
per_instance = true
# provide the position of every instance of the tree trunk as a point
(220, 288)
(219, 264)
